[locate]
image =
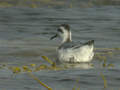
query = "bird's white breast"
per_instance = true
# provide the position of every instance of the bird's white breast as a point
(82, 54)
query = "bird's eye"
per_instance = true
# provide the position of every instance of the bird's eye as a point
(60, 30)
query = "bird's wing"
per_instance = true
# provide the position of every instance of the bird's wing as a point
(71, 45)
(76, 45)
(89, 43)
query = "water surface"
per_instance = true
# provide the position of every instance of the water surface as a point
(24, 38)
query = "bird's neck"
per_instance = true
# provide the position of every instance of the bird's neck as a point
(67, 38)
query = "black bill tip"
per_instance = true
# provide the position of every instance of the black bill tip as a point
(53, 37)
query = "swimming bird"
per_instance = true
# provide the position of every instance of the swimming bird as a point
(72, 52)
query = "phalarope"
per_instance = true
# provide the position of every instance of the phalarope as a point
(69, 51)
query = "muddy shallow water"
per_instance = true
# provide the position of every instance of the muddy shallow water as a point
(24, 38)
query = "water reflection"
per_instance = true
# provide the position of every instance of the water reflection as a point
(77, 65)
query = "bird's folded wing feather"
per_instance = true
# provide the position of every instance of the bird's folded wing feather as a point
(71, 45)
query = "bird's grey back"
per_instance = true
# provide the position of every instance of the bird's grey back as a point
(71, 44)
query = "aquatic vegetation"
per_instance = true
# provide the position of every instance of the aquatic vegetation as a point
(53, 64)
(33, 5)
(26, 69)
(104, 79)
(117, 48)
(103, 55)
(15, 70)
(43, 84)
(3, 65)
(32, 65)
(75, 87)
(31, 68)
(71, 5)
(56, 3)
(107, 49)
(5, 4)
(48, 60)
(104, 61)
(110, 65)
(30, 3)
(110, 53)
(105, 2)
(41, 67)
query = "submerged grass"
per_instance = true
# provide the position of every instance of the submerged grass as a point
(40, 82)
(31, 3)
(26, 69)
(48, 60)
(5, 4)
(56, 3)
(105, 81)
(75, 87)
(34, 68)
(53, 64)
(15, 70)
(41, 67)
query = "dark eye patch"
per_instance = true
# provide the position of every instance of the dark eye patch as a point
(60, 30)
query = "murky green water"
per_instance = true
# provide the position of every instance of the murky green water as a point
(24, 38)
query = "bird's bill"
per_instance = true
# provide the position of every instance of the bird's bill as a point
(53, 36)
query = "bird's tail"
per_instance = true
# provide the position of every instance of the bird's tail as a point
(91, 42)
